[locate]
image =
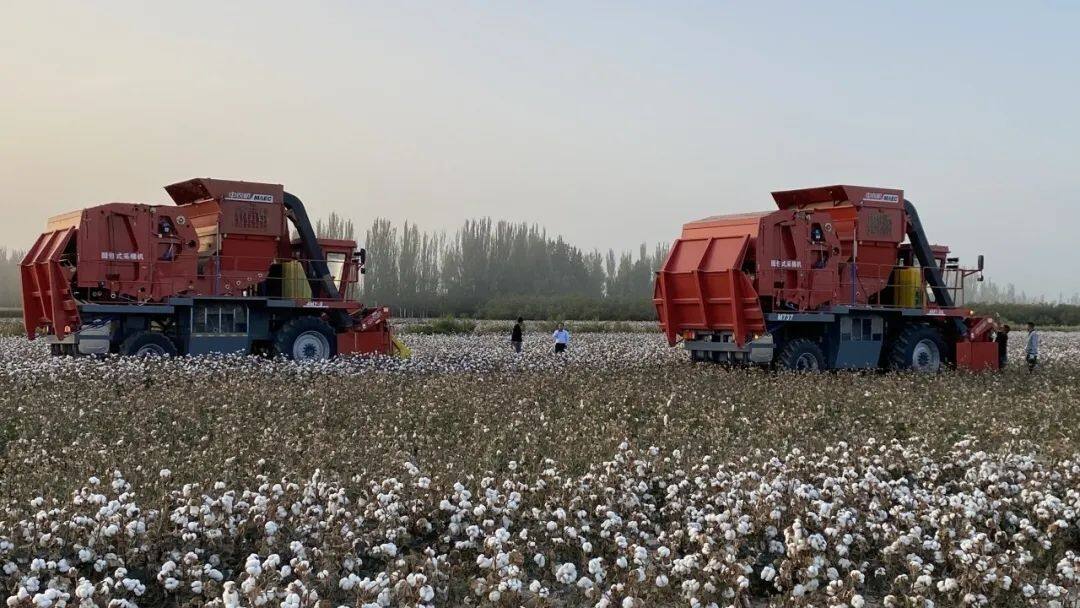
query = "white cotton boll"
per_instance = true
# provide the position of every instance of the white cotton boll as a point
(628, 602)
(165, 473)
(566, 573)
(171, 584)
(271, 528)
(768, 573)
(138, 589)
(427, 593)
(253, 566)
(857, 601)
(84, 590)
(539, 559)
(662, 581)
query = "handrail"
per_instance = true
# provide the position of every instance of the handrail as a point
(843, 287)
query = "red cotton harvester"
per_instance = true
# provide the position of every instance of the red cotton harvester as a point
(837, 277)
(215, 272)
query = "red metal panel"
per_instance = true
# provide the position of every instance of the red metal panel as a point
(370, 336)
(977, 356)
(835, 195)
(33, 304)
(701, 287)
(46, 286)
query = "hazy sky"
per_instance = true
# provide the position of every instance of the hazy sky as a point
(611, 123)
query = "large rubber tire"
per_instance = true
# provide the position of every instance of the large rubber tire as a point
(306, 339)
(148, 344)
(802, 355)
(918, 348)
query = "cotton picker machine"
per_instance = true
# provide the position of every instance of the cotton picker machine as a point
(215, 272)
(837, 277)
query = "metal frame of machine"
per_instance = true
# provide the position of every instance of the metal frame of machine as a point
(216, 272)
(826, 281)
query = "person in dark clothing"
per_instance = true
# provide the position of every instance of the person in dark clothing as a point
(515, 335)
(1002, 340)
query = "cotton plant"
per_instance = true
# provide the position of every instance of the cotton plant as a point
(470, 474)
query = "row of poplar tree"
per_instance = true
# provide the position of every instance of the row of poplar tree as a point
(498, 270)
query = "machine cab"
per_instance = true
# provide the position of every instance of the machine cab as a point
(340, 259)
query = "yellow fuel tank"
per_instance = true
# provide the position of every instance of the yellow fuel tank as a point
(908, 289)
(294, 281)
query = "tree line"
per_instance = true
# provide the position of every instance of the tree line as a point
(10, 279)
(499, 269)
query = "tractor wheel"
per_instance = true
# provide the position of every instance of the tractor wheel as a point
(918, 348)
(306, 339)
(802, 355)
(148, 344)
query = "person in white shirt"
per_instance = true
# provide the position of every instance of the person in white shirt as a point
(562, 338)
(1031, 351)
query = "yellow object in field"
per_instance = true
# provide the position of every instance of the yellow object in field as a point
(908, 289)
(400, 350)
(294, 281)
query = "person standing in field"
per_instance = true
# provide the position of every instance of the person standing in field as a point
(515, 335)
(1002, 339)
(1032, 349)
(562, 338)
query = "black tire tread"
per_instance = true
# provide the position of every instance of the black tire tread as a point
(900, 351)
(284, 337)
(798, 346)
(137, 340)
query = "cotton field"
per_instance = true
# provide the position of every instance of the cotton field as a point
(616, 475)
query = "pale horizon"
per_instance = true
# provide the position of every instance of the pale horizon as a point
(609, 124)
